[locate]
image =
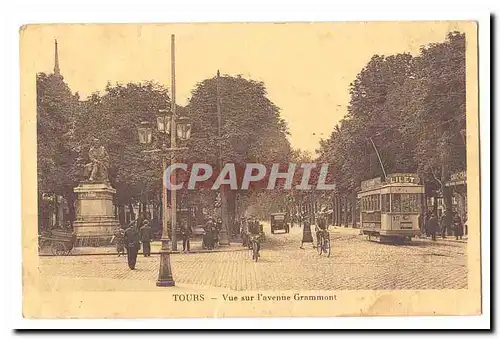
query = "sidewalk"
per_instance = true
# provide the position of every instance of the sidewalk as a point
(196, 247)
(344, 230)
(357, 231)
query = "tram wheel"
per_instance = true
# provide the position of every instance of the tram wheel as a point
(58, 248)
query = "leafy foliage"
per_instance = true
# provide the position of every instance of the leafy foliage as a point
(412, 109)
(57, 108)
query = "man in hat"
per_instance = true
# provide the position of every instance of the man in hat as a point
(186, 234)
(146, 237)
(131, 240)
(432, 226)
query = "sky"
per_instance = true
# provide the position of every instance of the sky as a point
(306, 67)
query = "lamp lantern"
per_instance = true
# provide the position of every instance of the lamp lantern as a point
(145, 132)
(183, 125)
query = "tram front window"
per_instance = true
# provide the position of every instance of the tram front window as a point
(405, 202)
(386, 206)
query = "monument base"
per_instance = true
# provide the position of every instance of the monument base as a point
(95, 221)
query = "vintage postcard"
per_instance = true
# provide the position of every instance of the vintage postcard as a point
(250, 169)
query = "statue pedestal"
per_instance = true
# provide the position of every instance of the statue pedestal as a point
(95, 220)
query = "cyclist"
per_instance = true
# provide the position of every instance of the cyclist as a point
(254, 233)
(320, 227)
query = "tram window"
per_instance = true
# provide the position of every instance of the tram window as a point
(386, 207)
(405, 202)
(396, 202)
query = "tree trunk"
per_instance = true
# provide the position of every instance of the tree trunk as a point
(353, 209)
(339, 211)
(346, 214)
(70, 198)
(56, 209)
(121, 214)
(446, 190)
(231, 210)
(131, 211)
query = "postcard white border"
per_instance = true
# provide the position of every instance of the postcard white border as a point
(203, 11)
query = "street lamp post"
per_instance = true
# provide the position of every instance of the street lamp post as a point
(167, 124)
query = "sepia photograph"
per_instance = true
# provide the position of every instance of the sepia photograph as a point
(250, 169)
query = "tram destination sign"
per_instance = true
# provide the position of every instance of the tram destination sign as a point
(402, 178)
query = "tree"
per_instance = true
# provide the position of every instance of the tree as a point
(113, 117)
(252, 130)
(413, 110)
(56, 111)
(441, 118)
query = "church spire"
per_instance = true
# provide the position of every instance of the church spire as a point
(56, 60)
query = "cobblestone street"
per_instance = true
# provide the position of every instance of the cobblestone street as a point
(355, 263)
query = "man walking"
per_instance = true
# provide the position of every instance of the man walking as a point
(186, 234)
(458, 226)
(131, 240)
(306, 233)
(146, 237)
(446, 223)
(432, 226)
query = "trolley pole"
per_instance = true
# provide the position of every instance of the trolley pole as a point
(379, 159)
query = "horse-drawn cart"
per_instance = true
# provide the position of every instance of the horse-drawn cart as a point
(61, 242)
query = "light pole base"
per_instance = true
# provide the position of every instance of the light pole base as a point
(165, 278)
(165, 283)
(164, 244)
(224, 239)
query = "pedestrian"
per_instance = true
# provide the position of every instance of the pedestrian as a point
(446, 221)
(208, 238)
(306, 233)
(186, 234)
(146, 235)
(119, 235)
(458, 226)
(244, 232)
(432, 226)
(320, 226)
(131, 241)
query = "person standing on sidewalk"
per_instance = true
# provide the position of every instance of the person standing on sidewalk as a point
(446, 223)
(432, 226)
(458, 226)
(131, 240)
(146, 237)
(186, 234)
(306, 233)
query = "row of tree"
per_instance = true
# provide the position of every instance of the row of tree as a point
(413, 110)
(251, 131)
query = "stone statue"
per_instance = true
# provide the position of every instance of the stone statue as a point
(97, 169)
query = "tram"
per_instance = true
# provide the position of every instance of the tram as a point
(390, 209)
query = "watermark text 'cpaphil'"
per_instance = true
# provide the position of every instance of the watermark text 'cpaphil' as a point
(305, 176)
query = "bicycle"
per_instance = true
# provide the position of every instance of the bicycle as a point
(324, 245)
